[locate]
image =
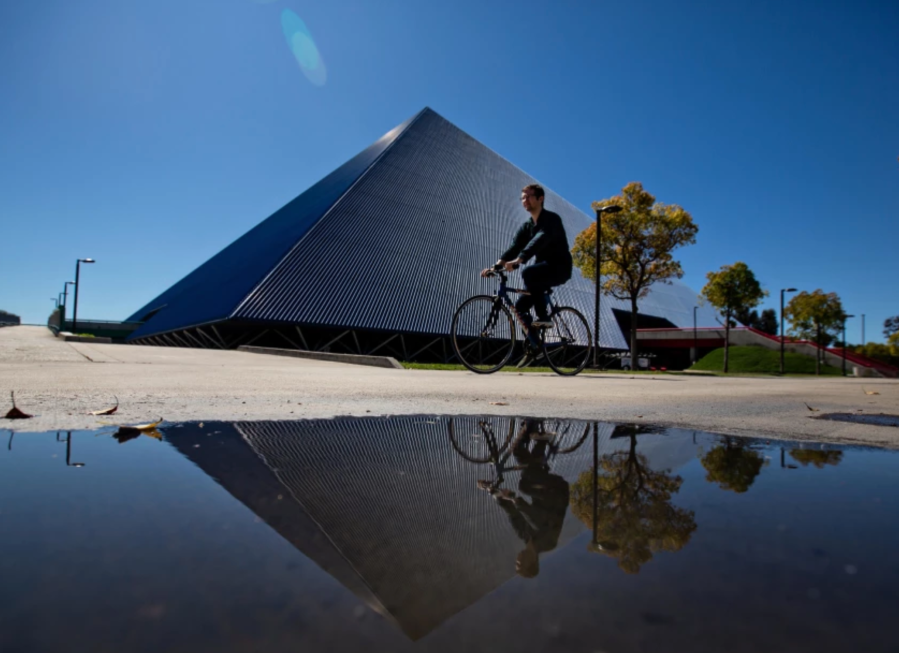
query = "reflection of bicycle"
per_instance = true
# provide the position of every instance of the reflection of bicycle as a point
(477, 441)
(484, 333)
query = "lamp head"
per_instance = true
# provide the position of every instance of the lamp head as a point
(87, 260)
(611, 208)
(789, 290)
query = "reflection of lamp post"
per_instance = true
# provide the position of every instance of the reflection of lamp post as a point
(613, 208)
(845, 317)
(595, 474)
(782, 291)
(77, 288)
(69, 449)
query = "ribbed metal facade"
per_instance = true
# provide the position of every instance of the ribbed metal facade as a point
(388, 507)
(391, 243)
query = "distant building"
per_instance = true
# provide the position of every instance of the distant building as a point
(375, 258)
(7, 319)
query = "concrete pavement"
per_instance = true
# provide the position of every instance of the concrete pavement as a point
(60, 382)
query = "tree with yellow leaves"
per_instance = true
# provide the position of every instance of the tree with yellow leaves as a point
(635, 247)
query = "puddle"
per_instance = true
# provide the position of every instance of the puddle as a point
(858, 418)
(398, 534)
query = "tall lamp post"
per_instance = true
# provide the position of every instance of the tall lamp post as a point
(845, 317)
(782, 291)
(65, 297)
(863, 330)
(77, 288)
(612, 208)
(695, 340)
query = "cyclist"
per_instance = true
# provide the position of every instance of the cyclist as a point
(539, 523)
(543, 239)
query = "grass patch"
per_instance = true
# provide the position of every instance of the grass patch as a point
(758, 360)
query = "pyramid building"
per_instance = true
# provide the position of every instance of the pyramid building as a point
(389, 508)
(375, 258)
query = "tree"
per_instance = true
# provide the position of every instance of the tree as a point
(890, 326)
(815, 316)
(635, 247)
(732, 289)
(768, 322)
(817, 457)
(634, 517)
(733, 466)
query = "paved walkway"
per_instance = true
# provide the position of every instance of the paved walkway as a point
(60, 382)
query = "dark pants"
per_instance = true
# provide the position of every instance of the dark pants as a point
(539, 278)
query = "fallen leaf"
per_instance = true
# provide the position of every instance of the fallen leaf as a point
(147, 427)
(107, 411)
(869, 392)
(814, 410)
(498, 403)
(15, 413)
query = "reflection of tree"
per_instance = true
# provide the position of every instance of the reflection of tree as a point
(816, 457)
(634, 516)
(733, 466)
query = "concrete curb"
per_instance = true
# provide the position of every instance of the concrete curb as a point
(352, 359)
(96, 341)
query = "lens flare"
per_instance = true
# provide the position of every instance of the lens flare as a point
(300, 42)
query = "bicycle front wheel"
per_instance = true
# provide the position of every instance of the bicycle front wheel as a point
(483, 334)
(568, 343)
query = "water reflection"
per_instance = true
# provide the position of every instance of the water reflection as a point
(733, 465)
(421, 518)
(627, 505)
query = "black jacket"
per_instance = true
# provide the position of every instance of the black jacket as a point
(545, 241)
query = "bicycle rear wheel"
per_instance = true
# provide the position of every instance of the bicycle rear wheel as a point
(568, 343)
(483, 334)
(481, 440)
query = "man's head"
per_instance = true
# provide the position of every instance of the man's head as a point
(532, 197)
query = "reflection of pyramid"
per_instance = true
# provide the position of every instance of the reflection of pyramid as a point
(387, 245)
(384, 505)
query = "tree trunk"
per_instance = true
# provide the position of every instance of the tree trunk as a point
(634, 333)
(726, 338)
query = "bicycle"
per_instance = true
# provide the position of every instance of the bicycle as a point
(483, 333)
(478, 443)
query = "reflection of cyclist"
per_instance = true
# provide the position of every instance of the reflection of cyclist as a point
(543, 238)
(538, 523)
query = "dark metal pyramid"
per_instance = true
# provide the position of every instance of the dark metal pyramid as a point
(376, 256)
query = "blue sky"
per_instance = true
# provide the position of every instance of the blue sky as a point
(150, 134)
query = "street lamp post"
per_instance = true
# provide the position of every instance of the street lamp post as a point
(863, 343)
(612, 208)
(77, 288)
(695, 340)
(65, 297)
(782, 291)
(845, 317)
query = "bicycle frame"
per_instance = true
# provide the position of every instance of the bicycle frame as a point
(503, 295)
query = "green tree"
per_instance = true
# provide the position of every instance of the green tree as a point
(816, 316)
(732, 289)
(733, 466)
(891, 326)
(634, 518)
(768, 322)
(635, 247)
(817, 457)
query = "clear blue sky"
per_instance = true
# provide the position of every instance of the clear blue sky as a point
(149, 134)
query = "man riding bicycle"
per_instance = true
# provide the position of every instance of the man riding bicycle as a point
(543, 238)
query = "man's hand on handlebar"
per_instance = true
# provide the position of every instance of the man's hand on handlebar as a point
(512, 265)
(496, 267)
